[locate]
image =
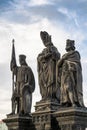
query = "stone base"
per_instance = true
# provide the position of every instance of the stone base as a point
(44, 121)
(16, 122)
(71, 118)
(42, 117)
(46, 105)
(50, 116)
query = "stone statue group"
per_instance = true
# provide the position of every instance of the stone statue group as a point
(60, 79)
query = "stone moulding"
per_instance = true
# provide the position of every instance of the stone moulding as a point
(74, 118)
(16, 122)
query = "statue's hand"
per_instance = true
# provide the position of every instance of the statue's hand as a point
(64, 57)
(28, 87)
(12, 65)
(59, 62)
(40, 58)
(15, 96)
(47, 55)
(26, 84)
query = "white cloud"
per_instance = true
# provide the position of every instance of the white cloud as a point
(70, 14)
(39, 2)
(64, 11)
(27, 3)
(85, 23)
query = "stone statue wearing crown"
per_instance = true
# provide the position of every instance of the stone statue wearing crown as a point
(69, 67)
(23, 85)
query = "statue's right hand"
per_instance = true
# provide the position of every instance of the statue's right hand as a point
(12, 65)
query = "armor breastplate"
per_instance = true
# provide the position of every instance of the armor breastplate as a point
(21, 74)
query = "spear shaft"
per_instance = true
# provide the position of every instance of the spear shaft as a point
(13, 64)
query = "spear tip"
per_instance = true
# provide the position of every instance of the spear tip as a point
(13, 41)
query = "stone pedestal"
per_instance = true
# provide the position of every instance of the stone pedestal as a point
(71, 118)
(49, 115)
(46, 105)
(42, 117)
(16, 122)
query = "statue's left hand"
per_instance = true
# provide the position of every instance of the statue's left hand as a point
(28, 87)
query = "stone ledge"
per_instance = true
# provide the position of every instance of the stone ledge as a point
(72, 111)
(46, 106)
(71, 116)
(16, 122)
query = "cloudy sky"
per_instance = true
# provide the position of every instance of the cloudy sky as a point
(23, 20)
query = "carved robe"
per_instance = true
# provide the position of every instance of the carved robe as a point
(25, 85)
(47, 71)
(71, 78)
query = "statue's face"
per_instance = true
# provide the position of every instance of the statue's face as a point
(68, 49)
(70, 45)
(21, 61)
(45, 38)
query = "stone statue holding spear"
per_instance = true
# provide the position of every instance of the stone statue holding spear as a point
(23, 85)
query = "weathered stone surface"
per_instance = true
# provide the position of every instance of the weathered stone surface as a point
(62, 118)
(71, 118)
(42, 117)
(23, 85)
(17, 122)
(46, 106)
(44, 120)
(60, 81)
(46, 64)
(70, 75)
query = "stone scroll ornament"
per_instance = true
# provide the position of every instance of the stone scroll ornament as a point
(69, 66)
(23, 84)
(47, 60)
